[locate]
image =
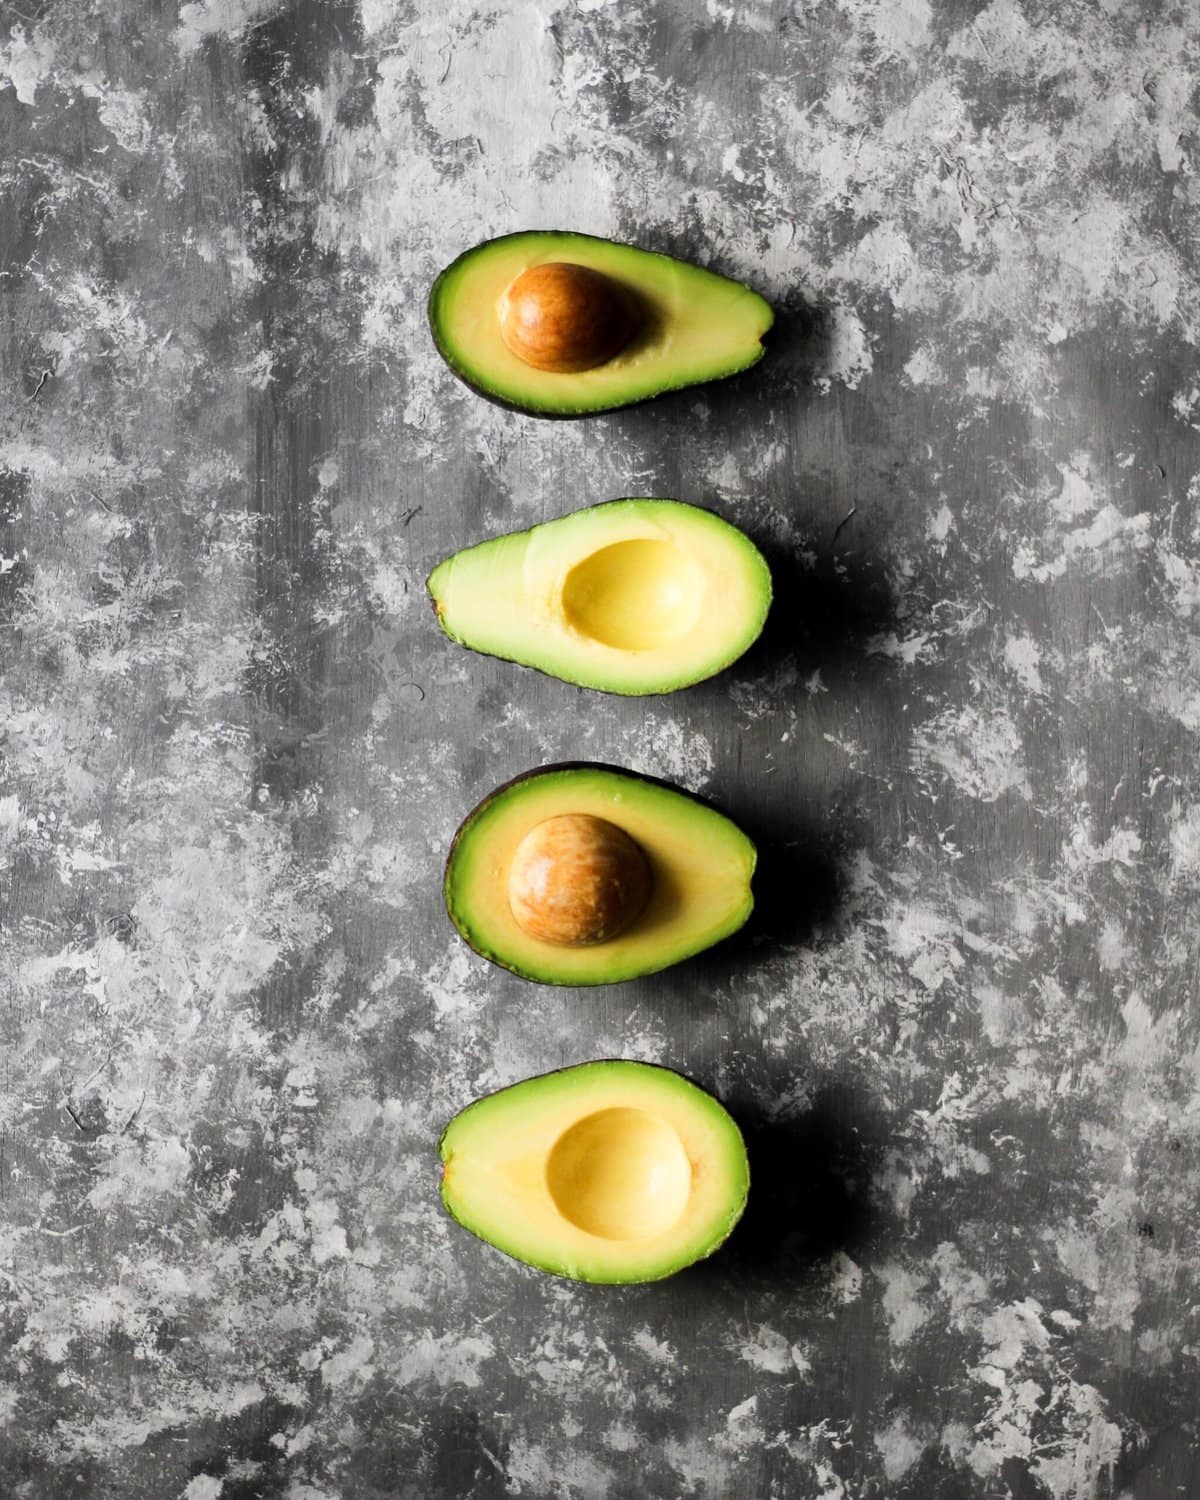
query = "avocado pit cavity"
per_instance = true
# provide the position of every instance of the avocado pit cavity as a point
(620, 1174)
(638, 595)
(576, 880)
(564, 318)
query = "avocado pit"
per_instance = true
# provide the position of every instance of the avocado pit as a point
(576, 880)
(564, 318)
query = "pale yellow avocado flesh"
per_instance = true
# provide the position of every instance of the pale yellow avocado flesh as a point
(607, 1172)
(697, 325)
(701, 866)
(634, 596)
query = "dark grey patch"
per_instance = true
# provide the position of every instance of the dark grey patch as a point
(1165, 1464)
(307, 304)
(1020, 1483)
(261, 1469)
(123, 926)
(88, 1115)
(25, 1476)
(14, 497)
(468, 1456)
(282, 997)
(410, 1451)
(935, 1474)
(261, 1183)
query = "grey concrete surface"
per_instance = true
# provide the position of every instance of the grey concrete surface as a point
(960, 1033)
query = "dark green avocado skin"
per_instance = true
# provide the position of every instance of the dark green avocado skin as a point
(580, 416)
(524, 411)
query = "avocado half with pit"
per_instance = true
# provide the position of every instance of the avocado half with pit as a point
(562, 325)
(586, 874)
(633, 596)
(606, 1172)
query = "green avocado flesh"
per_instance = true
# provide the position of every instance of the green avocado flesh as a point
(634, 596)
(700, 866)
(694, 324)
(605, 1172)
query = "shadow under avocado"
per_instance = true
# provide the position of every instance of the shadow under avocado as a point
(825, 610)
(811, 1171)
(798, 893)
(799, 341)
(796, 348)
(798, 883)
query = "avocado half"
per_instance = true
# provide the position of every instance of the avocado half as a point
(700, 866)
(692, 325)
(632, 596)
(607, 1172)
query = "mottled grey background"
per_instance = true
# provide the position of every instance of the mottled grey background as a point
(961, 1033)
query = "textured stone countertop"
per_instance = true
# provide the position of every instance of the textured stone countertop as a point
(961, 1031)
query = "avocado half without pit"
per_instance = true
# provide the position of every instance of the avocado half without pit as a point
(587, 874)
(606, 1172)
(633, 596)
(561, 325)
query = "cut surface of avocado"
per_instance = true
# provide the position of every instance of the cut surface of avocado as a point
(606, 1172)
(633, 596)
(683, 324)
(700, 866)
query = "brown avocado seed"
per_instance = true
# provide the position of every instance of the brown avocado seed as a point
(565, 318)
(576, 880)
